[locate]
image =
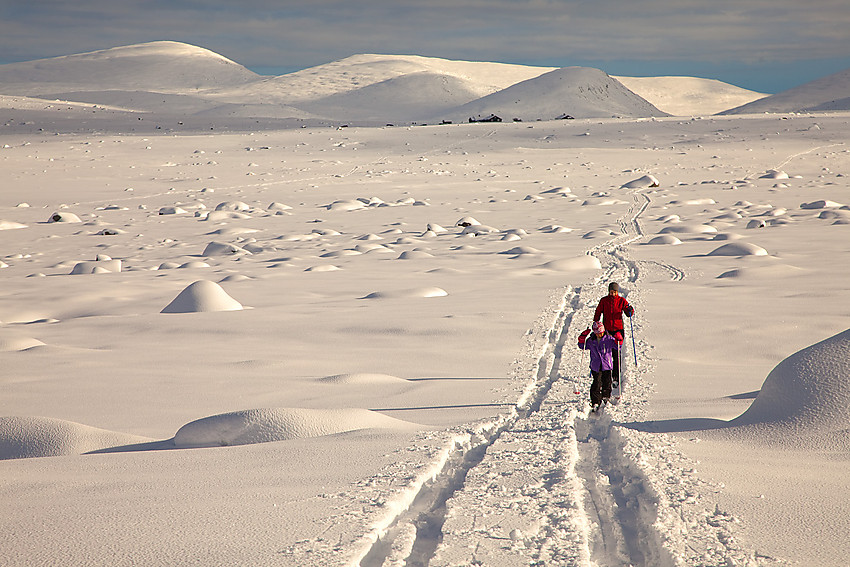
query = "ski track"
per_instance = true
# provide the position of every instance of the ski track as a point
(549, 483)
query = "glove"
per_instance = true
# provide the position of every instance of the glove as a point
(619, 337)
(629, 311)
(583, 337)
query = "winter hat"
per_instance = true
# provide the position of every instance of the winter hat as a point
(598, 327)
(613, 286)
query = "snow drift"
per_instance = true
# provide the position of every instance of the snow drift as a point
(279, 424)
(203, 295)
(808, 393)
(26, 437)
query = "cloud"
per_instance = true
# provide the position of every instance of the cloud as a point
(271, 33)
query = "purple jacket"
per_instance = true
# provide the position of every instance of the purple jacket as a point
(601, 351)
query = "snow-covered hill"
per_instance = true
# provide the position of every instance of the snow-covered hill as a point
(828, 93)
(580, 92)
(407, 97)
(170, 78)
(359, 71)
(686, 96)
(160, 66)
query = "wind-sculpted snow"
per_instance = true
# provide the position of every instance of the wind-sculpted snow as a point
(13, 341)
(26, 437)
(362, 378)
(739, 249)
(280, 424)
(422, 292)
(807, 394)
(506, 464)
(203, 295)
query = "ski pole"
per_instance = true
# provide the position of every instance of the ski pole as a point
(634, 348)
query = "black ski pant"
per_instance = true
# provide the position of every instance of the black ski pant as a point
(615, 374)
(600, 388)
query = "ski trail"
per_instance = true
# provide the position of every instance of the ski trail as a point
(412, 536)
(551, 484)
(624, 505)
(788, 160)
(540, 484)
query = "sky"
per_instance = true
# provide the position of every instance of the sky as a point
(762, 45)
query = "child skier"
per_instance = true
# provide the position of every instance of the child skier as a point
(601, 346)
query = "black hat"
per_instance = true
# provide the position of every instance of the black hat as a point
(613, 286)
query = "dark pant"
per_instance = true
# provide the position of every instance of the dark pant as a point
(601, 387)
(615, 374)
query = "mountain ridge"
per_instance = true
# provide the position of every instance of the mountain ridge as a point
(372, 88)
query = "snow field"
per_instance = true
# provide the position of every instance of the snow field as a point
(533, 478)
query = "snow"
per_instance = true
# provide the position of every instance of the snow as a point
(231, 339)
(202, 296)
(824, 94)
(806, 393)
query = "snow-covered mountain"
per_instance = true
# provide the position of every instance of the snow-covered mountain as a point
(825, 94)
(160, 66)
(407, 97)
(171, 78)
(580, 92)
(685, 96)
(360, 71)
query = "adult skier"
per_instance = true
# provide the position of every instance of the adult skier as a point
(601, 346)
(611, 309)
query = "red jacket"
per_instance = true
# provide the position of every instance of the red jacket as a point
(611, 309)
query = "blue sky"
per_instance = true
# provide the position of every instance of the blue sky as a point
(763, 45)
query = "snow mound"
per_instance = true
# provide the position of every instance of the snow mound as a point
(521, 250)
(64, 217)
(279, 424)
(808, 392)
(16, 343)
(764, 272)
(202, 296)
(236, 206)
(665, 239)
(641, 182)
(362, 378)
(96, 267)
(408, 293)
(739, 249)
(25, 437)
(172, 210)
(689, 228)
(222, 249)
(821, 204)
(346, 205)
(10, 225)
(414, 255)
(597, 234)
(573, 264)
